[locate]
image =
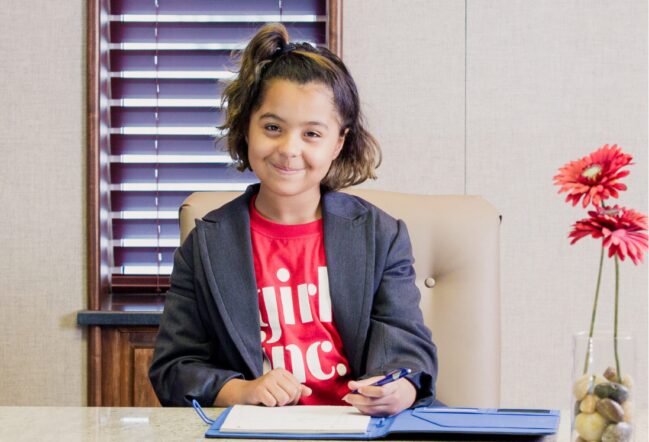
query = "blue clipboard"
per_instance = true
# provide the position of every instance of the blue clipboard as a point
(439, 420)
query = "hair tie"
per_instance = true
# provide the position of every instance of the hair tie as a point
(289, 47)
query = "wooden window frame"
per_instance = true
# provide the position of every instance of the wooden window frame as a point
(108, 293)
(100, 281)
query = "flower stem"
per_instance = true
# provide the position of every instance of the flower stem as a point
(594, 314)
(617, 291)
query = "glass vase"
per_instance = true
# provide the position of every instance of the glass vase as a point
(602, 401)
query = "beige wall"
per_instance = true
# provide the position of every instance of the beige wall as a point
(546, 82)
(42, 196)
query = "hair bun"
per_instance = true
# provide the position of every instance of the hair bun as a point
(269, 40)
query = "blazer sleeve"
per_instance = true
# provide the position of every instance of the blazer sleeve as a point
(398, 337)
(182, 368)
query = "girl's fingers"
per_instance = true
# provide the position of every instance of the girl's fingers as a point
(267, 398)
(379, 410)
(278, 388)
(362, 400)
(270, 393)
(384, 406)
(366, 388)
(354, 385)
(301, 389)
(281, 396)
(383, 401)
(292, 391)
(292, 386)
(305, 391)
(289, 378)
(374, 391)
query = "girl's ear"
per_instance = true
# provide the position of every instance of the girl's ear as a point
(341, 143)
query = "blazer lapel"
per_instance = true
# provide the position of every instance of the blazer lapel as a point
(231, 276)
(346, 247)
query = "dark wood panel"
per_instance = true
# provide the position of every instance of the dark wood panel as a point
(123, 380)
(138, 349)
(111, 370)
(94, 365)
(143, 394)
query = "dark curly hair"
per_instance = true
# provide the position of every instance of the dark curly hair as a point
(269, 55)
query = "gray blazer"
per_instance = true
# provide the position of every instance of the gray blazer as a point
(209, 331)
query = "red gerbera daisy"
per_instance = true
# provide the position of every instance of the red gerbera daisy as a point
(622, 230)
(595, 176)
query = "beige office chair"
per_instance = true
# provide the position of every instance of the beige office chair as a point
(455, 243)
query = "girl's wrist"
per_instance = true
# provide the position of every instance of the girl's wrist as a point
(232, 393)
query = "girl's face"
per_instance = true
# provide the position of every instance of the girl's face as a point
(294, 137)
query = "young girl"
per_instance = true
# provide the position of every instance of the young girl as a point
(294, 293)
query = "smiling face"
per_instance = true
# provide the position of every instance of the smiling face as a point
(293, 138)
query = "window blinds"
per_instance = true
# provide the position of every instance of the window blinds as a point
(168, 60)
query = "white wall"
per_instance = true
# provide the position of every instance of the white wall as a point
(546, 82)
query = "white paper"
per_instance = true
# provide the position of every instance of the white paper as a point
(296, 419)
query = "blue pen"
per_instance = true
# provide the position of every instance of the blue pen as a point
(392, 376)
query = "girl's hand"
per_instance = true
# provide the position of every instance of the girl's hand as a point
(276, 388)
(387, 400)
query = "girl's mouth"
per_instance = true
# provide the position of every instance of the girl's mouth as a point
(285, 169)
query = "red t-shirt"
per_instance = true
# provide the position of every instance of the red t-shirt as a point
(297, 328)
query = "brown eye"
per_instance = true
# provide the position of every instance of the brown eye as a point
(271, 127)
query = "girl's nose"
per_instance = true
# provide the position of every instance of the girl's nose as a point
(289, 146)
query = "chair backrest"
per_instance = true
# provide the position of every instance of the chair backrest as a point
(455, 243)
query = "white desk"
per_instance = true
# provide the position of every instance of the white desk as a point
(157, 424)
